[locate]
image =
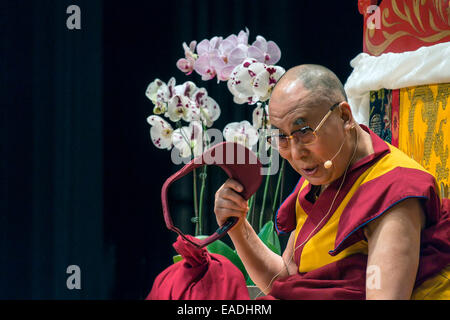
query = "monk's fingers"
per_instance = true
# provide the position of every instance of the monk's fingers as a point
(229, 191)
(224, 203)
(234, 185)
(223, 214)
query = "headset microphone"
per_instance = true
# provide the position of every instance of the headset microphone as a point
(329, 163)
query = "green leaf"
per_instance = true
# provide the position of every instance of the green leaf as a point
(269, 236)
(223, 249)
(177, 258)
(249, 281)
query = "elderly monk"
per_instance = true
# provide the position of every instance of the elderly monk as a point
(365, 220)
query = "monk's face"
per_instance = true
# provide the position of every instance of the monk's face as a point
(293, 107)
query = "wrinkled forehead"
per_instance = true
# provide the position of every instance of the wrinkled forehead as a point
(292, 104)
(291, 110)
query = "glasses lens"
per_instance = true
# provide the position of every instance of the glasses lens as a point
(282, 142)
(305, 136)
(276, 141)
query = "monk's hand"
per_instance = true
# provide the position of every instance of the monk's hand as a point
(229, 203)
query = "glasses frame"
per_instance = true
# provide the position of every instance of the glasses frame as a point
(314, 132)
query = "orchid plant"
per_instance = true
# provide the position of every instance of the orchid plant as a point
(218, 57)
(185, 103)
(252, 82)
(251, 74)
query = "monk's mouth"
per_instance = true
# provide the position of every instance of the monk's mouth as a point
(310, 171)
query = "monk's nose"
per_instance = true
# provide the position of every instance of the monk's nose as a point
(298, 151)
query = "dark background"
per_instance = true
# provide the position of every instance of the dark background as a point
(80, 178)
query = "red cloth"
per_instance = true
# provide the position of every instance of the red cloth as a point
(346, 278)
(340, 280)
(238, 162)
(435, 247)
(200, 276)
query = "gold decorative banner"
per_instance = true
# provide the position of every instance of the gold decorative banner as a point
(424, 129)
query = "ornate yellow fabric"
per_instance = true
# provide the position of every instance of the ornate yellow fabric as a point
(436, 288)
(424, 129)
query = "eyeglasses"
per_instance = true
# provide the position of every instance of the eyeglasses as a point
(305, 136)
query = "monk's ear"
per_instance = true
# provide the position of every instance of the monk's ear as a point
(346, 115)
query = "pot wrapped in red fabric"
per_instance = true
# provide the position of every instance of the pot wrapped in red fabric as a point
(199, 276)
(203, 275)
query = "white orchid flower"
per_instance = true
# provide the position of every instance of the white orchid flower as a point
(253, 81)
(211, 111)
(205, 108)
(153, 88)
(258, 117)
(179, 107)
(244, 75)
(189, 139)
(160, 93)
(241, 132)
(161, 132)
(236, 96)
(261, 122)
(264, 81)
(171, 87)
(242, 78)
(186, 89)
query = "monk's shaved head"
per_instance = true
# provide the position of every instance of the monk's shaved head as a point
(322, 83)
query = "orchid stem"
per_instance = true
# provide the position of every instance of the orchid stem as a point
(202, 193)
(263, 207)
(203, 175)
(277, 189)
(251, 215)
(194, 187)
(179, 126)
(250, 210)
(266, 185)
(195, 203)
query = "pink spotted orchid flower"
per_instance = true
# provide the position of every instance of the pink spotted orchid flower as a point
(265, 51)
(186, 64)
(209, 62)
(218, 57)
